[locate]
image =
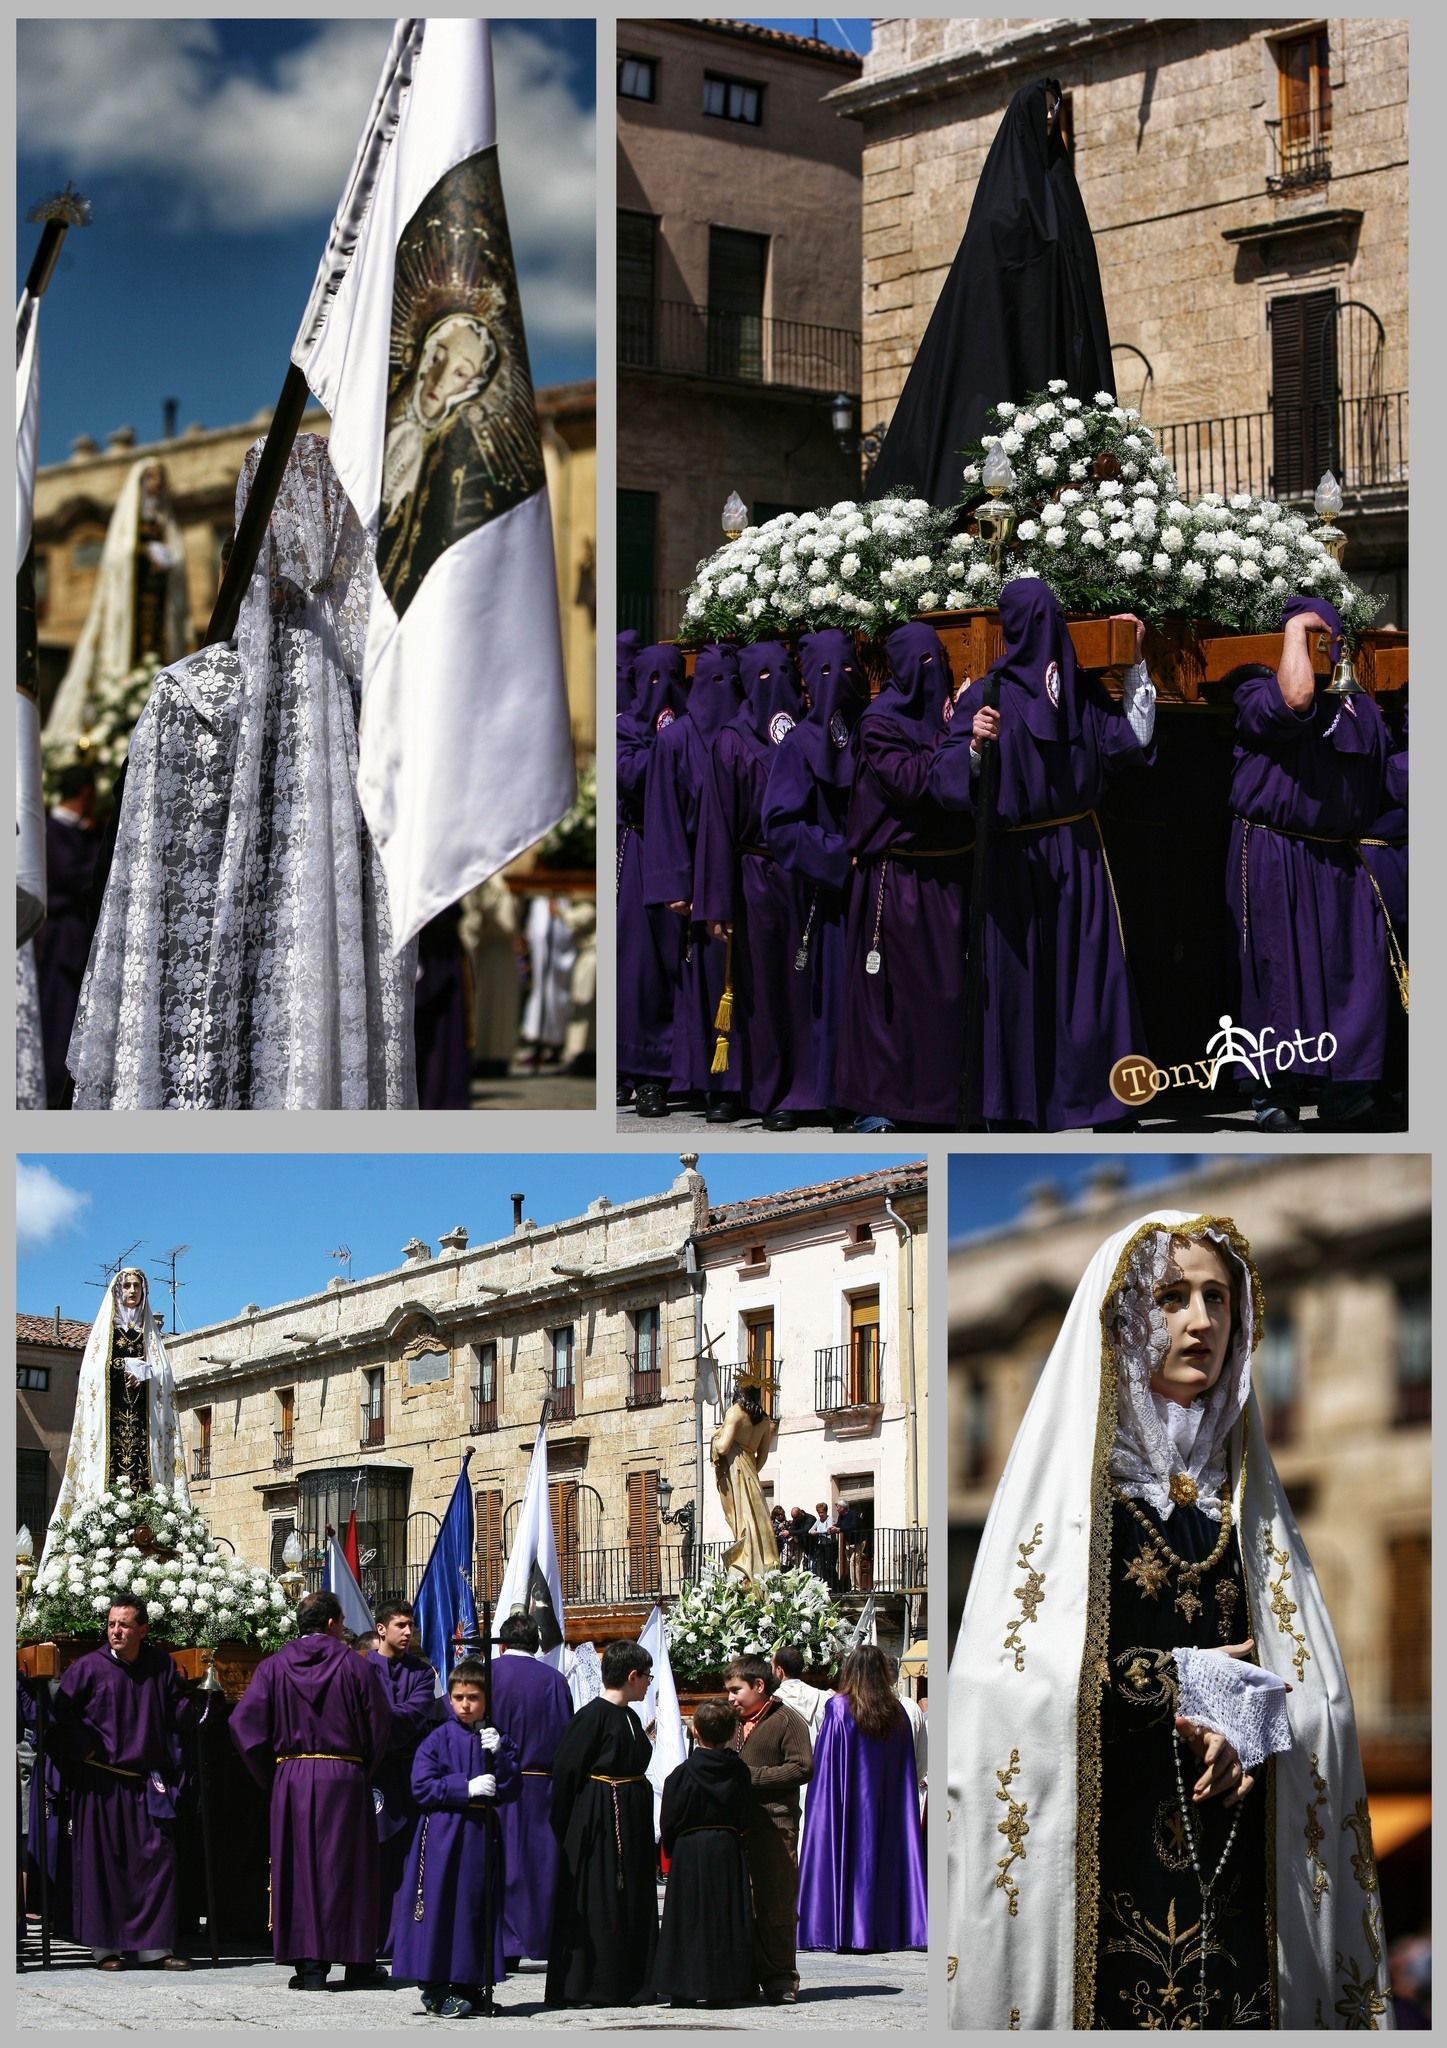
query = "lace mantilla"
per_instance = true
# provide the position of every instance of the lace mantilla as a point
(243, 958)
(1160, 1445)
(1240, 1701)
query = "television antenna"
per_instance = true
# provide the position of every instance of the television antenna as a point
(343, 1256)
(110, 1271)
(171, 1282)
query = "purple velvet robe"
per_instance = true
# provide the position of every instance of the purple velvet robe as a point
(1310, 933)
(650, 938)
(447, 1871)
(532, 1706)
(738, 882)
(670, 834)
(861, 1862)
(1059, 1004)
(902, 1030)
(125, 1890)
(411, 1687)
(316, 1701)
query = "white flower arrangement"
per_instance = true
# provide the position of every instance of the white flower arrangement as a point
(725, 1617)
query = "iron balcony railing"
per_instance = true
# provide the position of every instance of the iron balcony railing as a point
(284, 1452)
(1300, 150)
(645, 1379)
(565, 1401)
(683, 340)
(848, 1376)
(372, 1430)
(644, 1570)
(484, 1410)
(1282, 453)
(201, 1463)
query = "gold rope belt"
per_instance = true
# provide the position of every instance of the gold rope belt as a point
(1048, 824)
(762, 852)
(115, 1770)
(1396, 958)
(317, 1756)
(599, 1778)
(535, 1773)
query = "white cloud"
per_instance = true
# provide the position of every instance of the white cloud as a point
(45, 1207)
(226, 149)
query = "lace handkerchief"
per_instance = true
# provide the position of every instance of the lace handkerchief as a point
(1240, 1701)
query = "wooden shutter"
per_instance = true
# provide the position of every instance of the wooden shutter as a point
(643, 1534)
(1410, 1635)
(487, 1529)
(864, 1347)
(1303, 390)
(736, 266)
(637, 288)
(760, 1328)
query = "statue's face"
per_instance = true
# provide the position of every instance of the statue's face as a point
(153, 479)
(454, 360)
(133, 1290)
(1195, 1298)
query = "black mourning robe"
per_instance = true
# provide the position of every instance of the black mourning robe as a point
(1148, 1940)
(1022, 305)
(62, 944)
(605, 1927)
(705, 1945)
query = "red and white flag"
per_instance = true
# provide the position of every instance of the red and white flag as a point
(413, 341)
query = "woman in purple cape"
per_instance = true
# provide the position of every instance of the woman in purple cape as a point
(739, 888)
(861, 1865)
(1308, 781)
(1059, 1006)
(903, 1015)
(670, 834)
(806, 806)
(650, 940)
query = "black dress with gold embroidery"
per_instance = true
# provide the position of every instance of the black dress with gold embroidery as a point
(128, 1450)
(1149, 1942)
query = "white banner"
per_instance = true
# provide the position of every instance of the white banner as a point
(533, 1545)
(29, 791)
(659, 1709)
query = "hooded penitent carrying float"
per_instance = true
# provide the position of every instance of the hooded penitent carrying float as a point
(1074, 1895)
(650, 938)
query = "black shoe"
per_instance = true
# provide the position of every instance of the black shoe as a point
(652, 1098)
(624, 1094)
(361, 1976)
(310, 1976)
(781, 1120)
(723, 1109)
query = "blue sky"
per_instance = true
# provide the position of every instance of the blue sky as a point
(846, 33)
(260, 1227)
(213, 154)
(987, 1191)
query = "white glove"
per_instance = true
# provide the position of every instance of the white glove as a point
(489, 1738)
(482, 1788)
(1138, 701)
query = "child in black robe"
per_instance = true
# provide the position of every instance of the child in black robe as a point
(705, 1945)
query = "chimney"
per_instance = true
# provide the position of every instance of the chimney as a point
(170, 407)
(57, 1322)
(517, 1213)
(416, 1253)
(454, 1240)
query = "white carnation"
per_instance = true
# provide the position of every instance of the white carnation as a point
(929, 600)
(1056, 536)
(1054, 515)
(1093, 537)
(1075, 429)
(1027, 529)
(1046, 465)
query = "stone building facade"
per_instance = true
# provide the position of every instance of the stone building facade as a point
(1343, 1377)
(48, 1351)
(738, 301)
(1246, 181)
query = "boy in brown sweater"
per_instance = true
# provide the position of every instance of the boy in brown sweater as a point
(774, 1742)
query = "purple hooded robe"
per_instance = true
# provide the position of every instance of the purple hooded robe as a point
(437, 1934)
(861, 1862)
(650, 940)
(670, 835)
(313, 1725)
(1059, 1006)
(117, 1737)
(806, 807)
(532, 1706)
(411, 1687)
(902, 1028)
(1305, 786)
(737, 882)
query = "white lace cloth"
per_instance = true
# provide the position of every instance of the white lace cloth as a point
(29, 1049)
(1157, 1439)
(243, 958)
(1240, 1701)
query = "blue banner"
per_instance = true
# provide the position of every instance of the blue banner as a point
(446, 1582)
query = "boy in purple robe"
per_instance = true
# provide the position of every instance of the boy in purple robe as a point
(903, 1019)
(312, 1726)
(1059, 1004)
(670, 835)
(1308, 781)
(650, 939)
(448, 1934)
(118, 1719)
(742, 893)
(411, 1687)
(861, 1866)
(531, 1706)
(806, 808)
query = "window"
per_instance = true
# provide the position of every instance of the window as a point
(1409, 1654)
(645, 1388)
(1414, 1356)
(731, 99)
(1303, 131)
(560, 1348)
(976, 1443)
(637, 78)
(637, 557)
(484, 1393)
(32, 1493)
(201, 1458)
(373, 1421)
(1277, 1375)
(759, 1353)
(282, 1526)
(285, 1431)
(487, 1524)
(737, 266)
(637, 288)
(379, 1494)
(35, 1377)
(865, 1352)
(1303, 391)
(644, 1574)
(86, 551)
(563, 1505)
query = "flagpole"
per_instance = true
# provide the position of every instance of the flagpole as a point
(489, 1821)
(267, 482)
(987, 799)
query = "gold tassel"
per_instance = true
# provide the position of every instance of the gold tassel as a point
(724, 1021)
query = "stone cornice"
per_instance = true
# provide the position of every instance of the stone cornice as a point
(914, 84)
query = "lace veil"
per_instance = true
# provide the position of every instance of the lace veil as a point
(243, 958)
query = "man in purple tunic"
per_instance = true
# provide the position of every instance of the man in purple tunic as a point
(742, 892)
(650, 939)
(903, 1019)
(670, 835)
(1059, 1005)
(411, 1687)
(1308, 781)
(531, 1706)
(806, 807)
(312, 1726)
(118, 1717)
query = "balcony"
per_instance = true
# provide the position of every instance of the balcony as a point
(284, 1449)
(201, 1462)
(1281, 453)
(848, 1376)
(372, 1430)
(679, 339)
(645, 1379)
(484, 1411)
(565, 1402)
(1300, 150)
(762, 1372)
(644, 1570)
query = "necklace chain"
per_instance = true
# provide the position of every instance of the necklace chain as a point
(1207, 1885)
